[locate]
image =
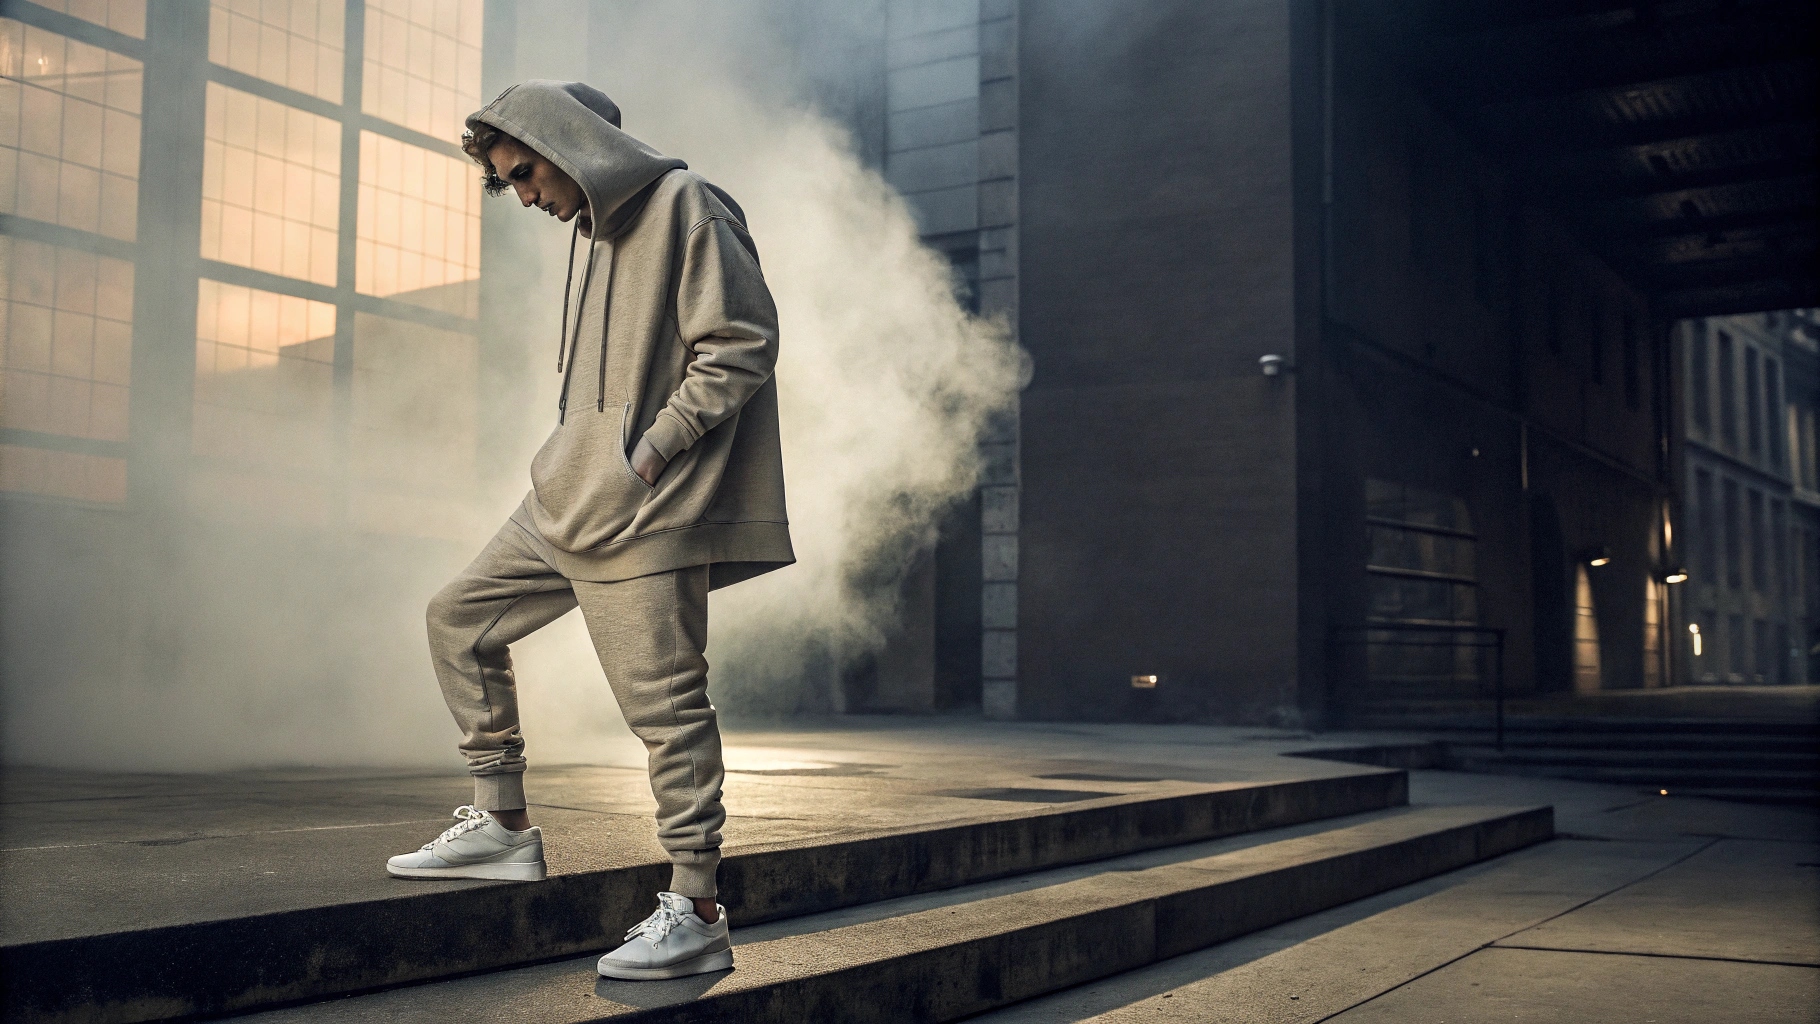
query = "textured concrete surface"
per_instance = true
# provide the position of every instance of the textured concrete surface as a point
(1678, 879)
(954, 954)
(1544, 986)
(84, 853)
(1734, 900)
(103, 848)
(139, 896)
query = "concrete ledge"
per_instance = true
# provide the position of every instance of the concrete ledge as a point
(238, 964)
(941, 966)
(1417, 754)
(965, 957)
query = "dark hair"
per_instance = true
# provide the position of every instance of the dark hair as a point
(476, 142)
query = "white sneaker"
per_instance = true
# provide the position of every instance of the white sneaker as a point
(476, 846)
(673, 942)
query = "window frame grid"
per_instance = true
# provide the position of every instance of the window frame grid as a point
(63, 236)
(353, 120)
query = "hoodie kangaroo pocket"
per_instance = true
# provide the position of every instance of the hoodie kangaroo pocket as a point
(625, 420)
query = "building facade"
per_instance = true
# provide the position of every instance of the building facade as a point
(241, 282)
(1752, 515)
(1356, 389)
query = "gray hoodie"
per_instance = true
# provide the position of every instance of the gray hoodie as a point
(670, 335)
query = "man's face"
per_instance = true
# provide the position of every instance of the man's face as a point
(539, 182)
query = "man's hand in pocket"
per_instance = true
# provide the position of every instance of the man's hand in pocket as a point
(647, 462)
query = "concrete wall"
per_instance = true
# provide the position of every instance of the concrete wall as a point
(1158, 467)
(1474, 348)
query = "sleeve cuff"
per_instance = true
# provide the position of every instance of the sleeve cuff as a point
(668, 435)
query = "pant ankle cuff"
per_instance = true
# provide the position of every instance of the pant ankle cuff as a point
(503, 792)
(692, 873)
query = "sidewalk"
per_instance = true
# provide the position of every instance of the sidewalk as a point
(1645, 903)
(84, 853)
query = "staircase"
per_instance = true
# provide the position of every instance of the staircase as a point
(1760, 761)
(925, 923)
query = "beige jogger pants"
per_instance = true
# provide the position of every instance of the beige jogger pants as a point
(649, 633)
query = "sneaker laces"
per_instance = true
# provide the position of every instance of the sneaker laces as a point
(662, 921)
(470, 818)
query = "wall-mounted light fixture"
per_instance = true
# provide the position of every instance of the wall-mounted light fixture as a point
(1143, 682)
(1693, 628)
(1273, 364)
(1599, 555)
(1675, 575)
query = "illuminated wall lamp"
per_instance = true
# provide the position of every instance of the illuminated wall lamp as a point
(1693, 629)
(1596, 556)
(1675, 575)
(1143, 682)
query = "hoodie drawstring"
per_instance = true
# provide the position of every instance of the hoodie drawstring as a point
(568, 282)
(587, 275)
(600, 386)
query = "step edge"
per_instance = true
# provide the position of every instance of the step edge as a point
(1382, 789)
(1494, 833)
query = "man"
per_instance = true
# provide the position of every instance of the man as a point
(662, 481)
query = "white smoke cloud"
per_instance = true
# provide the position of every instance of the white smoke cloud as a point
(278, 644)
(885, 382)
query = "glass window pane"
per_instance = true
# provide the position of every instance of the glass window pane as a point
(267, 172)
(422, 64)
(293, 43)
(419, 227)
(126, 17)
(69, 132)
(264, 391)
(65, 340)
(66, 349)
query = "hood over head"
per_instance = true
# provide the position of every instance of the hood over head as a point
(576, 127)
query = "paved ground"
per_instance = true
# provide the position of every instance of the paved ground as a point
(1649, 908)
(85, 853)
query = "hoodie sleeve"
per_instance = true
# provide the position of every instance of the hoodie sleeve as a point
(727, 319)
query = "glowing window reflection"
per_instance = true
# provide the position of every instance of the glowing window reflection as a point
(419, 227)
(69, 132)
(264, 374)
(126, 17)
(422, 64)
(68, 340)
(271, 186)
(293, 43)
(66, 345)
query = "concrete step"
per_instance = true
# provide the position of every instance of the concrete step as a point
(1668, 758)
(1808, 746)
(326, 943)
(1676, 780)
(1480, 720)
(1809, 796)
(970, 950)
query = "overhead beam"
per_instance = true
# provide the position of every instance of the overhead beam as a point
(1727, 300)
(1646, 113)
(1565, 58)
(1769, 151)
(1792, 240)
(1695, 207)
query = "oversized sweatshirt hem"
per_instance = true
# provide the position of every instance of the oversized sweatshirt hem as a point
(758, 545)
(502, 792)
(692, 873)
